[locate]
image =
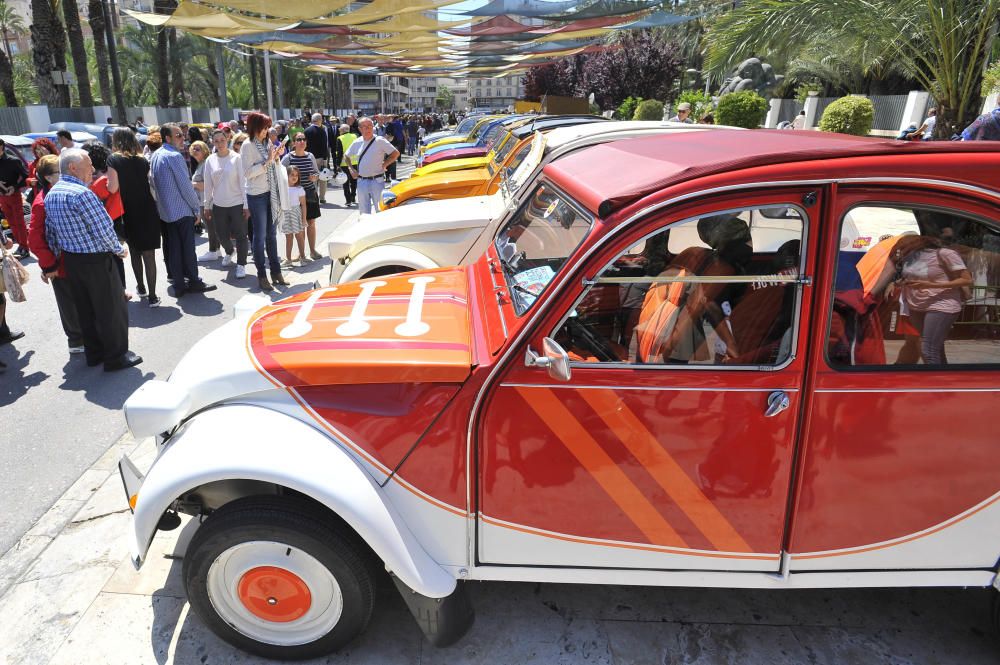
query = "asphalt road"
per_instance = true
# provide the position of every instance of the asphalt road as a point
(57, 416)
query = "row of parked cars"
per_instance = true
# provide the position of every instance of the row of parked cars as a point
(618, 353)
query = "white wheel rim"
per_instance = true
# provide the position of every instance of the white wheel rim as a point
(324, 609)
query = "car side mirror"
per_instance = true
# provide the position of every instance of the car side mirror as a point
(554, 358)
(388, 199)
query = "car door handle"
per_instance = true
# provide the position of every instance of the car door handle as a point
(776, 403)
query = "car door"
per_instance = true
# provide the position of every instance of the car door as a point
(899, 451)
(671, 443)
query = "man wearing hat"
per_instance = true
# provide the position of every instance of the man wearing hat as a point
(683, 113)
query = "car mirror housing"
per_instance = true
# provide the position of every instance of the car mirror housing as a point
(554, 358)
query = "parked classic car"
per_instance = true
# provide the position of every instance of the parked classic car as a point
(435, 233)
(660, 372)
(441, 181)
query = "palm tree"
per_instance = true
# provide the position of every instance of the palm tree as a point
(162, 70)
(71, 15)
(96, 13)
(43, 50)
(11, 25)
(944, 45)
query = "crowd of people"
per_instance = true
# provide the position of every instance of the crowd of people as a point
(241, 183)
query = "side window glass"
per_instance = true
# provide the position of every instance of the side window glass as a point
(715, 290)
(915, 286)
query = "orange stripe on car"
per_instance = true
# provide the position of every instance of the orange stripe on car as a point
(665, 470)
(605, 471)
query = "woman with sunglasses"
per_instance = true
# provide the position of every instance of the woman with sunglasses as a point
(305, 162)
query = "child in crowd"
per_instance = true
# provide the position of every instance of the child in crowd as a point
(293, 219)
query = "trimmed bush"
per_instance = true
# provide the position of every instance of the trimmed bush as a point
(627, 108)
(649, 109)
(699, 101)
(741, 109)
(848, 115)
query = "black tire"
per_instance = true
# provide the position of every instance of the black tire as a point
(385, 271)
(298, 525)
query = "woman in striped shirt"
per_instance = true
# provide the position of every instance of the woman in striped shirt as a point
(308, 175)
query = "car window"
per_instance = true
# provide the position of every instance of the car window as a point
(537, 241)
(915, 287)
(715, 290)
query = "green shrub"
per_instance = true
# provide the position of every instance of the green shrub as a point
(991, 79)
(803, 89)
(848, 115)
(649, 109)
(741, 109)
(627, 108)
(699, 101)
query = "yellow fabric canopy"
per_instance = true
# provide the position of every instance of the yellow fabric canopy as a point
(293, 9)
(380, 9)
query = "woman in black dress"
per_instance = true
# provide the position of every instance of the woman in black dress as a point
(141, 220)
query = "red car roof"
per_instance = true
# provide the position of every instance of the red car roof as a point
(609, 176)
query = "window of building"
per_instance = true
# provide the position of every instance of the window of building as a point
(716, 290)
(915, 287)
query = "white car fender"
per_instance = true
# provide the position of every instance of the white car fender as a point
(255, 443)
(381, 256)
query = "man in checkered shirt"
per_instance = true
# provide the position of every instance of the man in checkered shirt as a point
(78, 228)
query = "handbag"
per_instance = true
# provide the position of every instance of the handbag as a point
(12, 276)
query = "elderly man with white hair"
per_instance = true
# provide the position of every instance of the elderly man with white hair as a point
(78, 228)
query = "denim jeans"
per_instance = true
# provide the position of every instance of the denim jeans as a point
(369, 194)
(264, 234)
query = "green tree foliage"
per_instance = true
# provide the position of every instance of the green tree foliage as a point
(943, 45)
(627, 108)
(445, 98)
(803, 89)
(991, 79)
(741, 109)
(699, 101)
(848, 115)
(649, 109)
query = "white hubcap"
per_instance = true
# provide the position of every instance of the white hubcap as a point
(274, 593)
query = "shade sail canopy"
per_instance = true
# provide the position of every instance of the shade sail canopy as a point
(416, 37)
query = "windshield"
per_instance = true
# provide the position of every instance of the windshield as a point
(527, 165)
(466, 125)
(536, 243)
(500, 156)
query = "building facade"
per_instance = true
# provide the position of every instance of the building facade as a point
(372, 93)
(495, 94)
(423, 93)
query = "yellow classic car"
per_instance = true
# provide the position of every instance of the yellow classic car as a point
(505, 142)
(477, 181)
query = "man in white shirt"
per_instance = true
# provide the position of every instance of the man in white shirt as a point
(225, 201)
(926, 130)
(368, 158)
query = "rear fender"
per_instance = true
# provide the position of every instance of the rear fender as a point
(382, 256)
(251, 443)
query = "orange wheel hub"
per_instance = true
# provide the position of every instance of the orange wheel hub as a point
(274, 594)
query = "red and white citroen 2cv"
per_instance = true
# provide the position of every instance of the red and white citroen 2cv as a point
(724, 359)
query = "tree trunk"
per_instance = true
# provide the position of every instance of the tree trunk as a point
(58, 36)
(96, 12)
(253, 82)
(42, 48)
(162, 56)
(7, 80)
(177, 94)
(213, 75)
(71, 14)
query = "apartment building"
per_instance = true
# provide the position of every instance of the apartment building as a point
(371, 93)
(495, 93)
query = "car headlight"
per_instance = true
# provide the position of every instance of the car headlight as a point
(156, 407)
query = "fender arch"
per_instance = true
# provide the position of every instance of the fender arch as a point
(385, 255)
(242, 442)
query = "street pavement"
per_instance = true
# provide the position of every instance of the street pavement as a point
(57, 416)
(69, 595)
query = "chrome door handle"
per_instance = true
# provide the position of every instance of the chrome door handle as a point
(776, 403)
